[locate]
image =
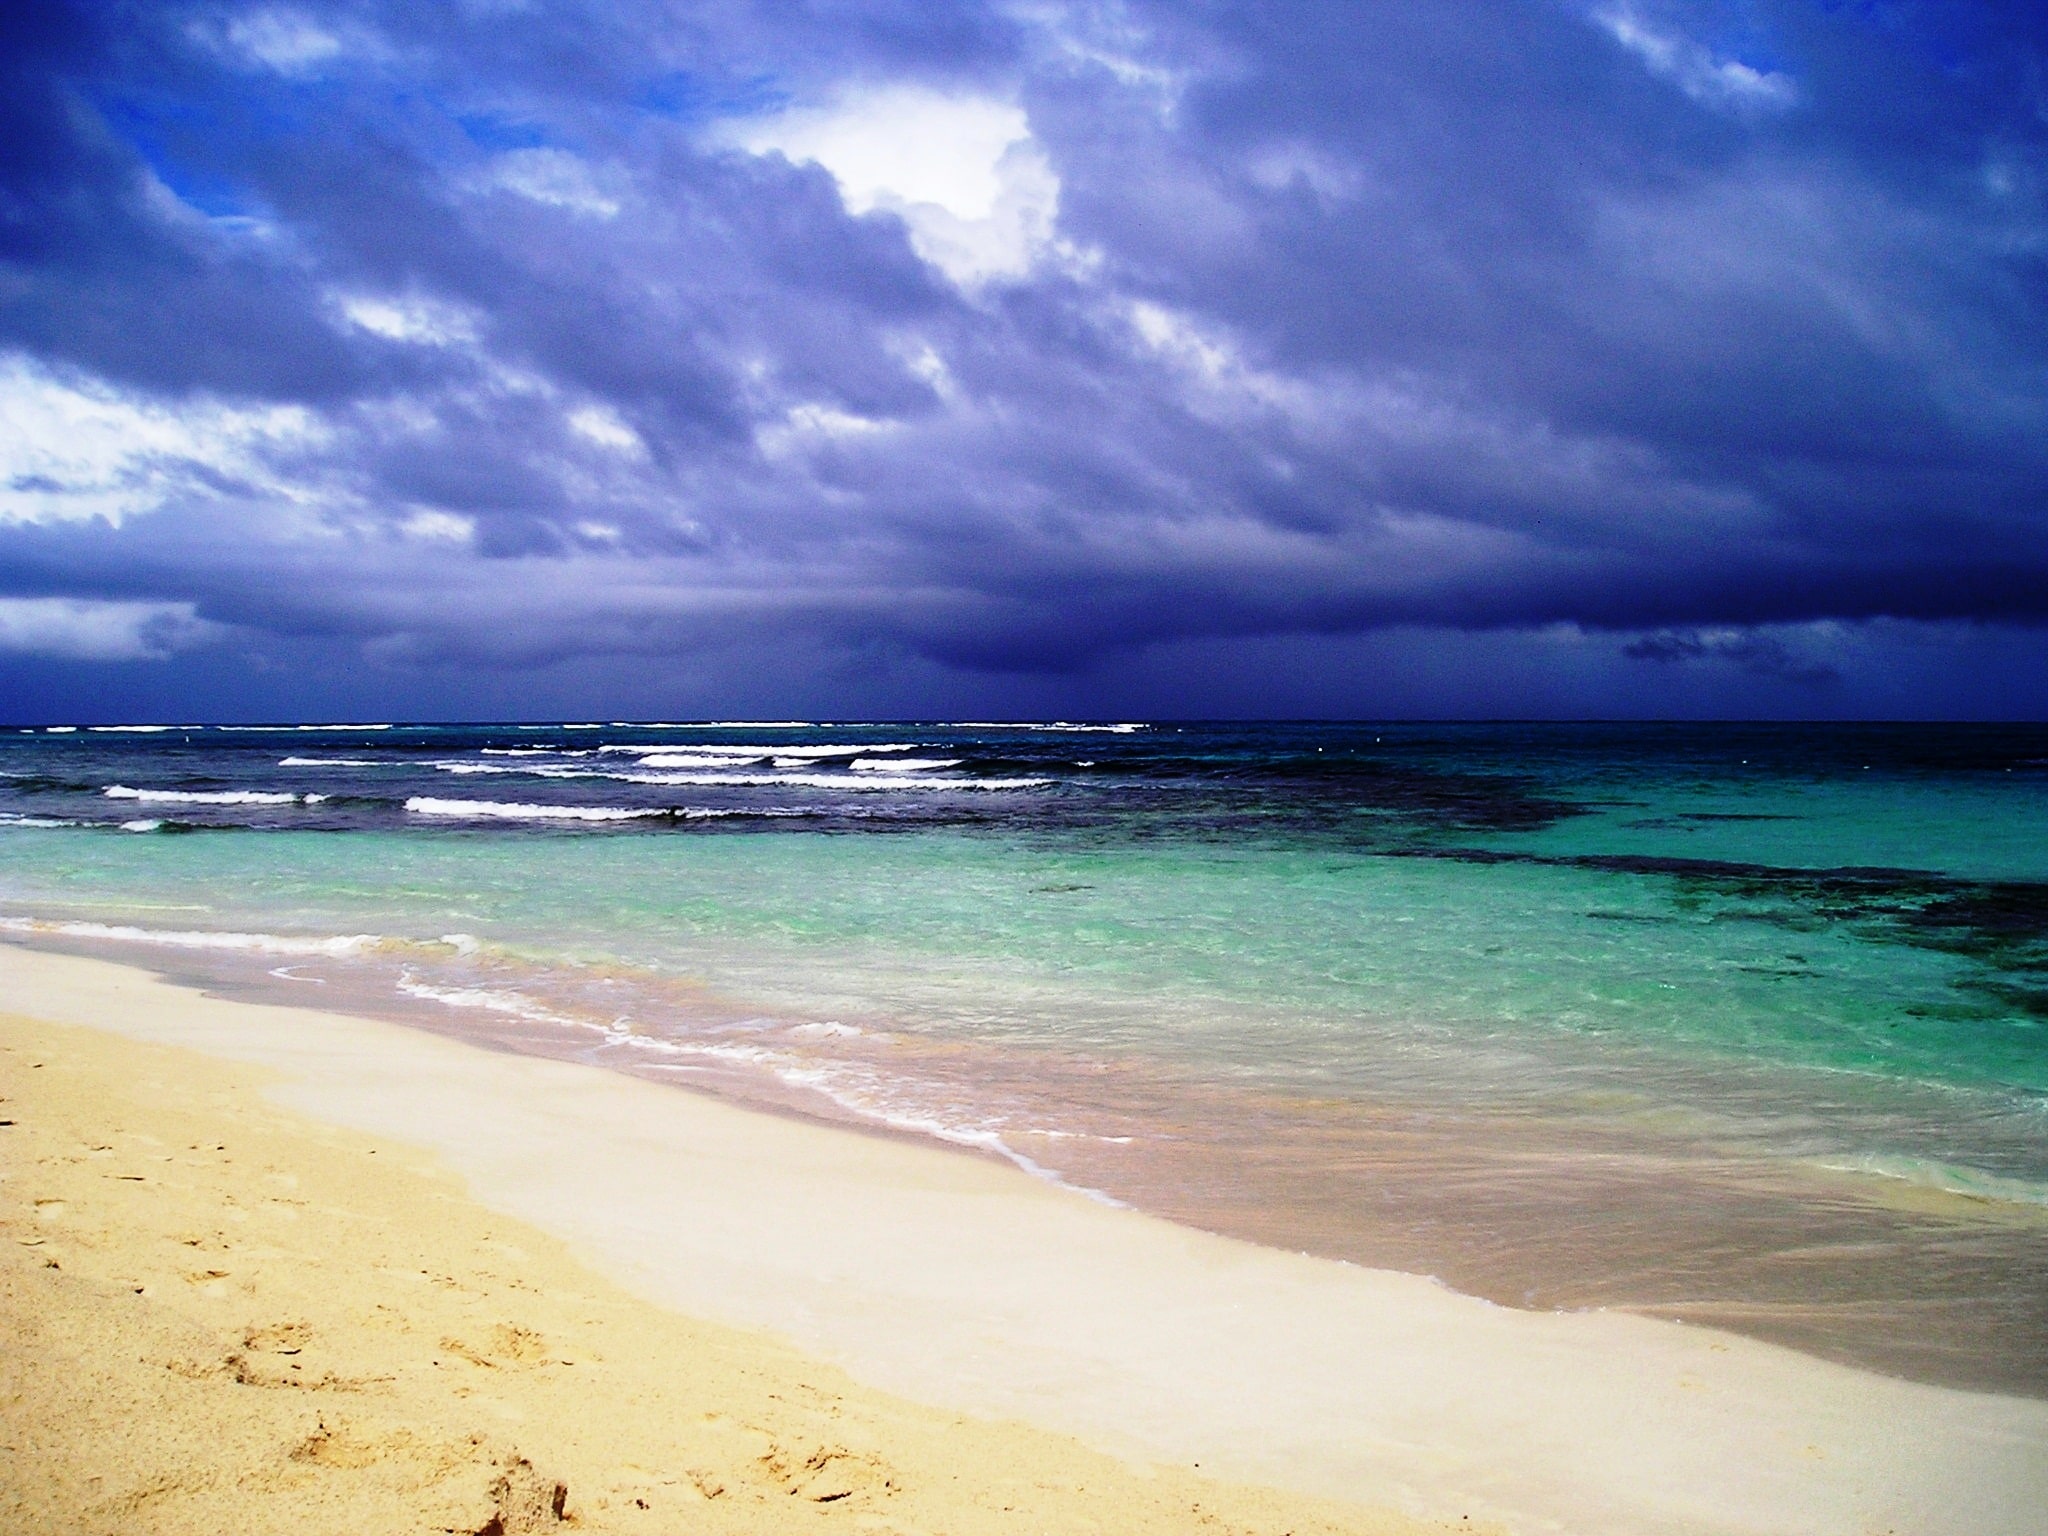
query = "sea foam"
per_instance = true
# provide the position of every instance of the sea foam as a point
(504, 810)
(201, 797)
(846, 781)
(172, 938)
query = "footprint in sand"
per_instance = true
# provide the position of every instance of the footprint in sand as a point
(278, 1338)
(506, 1344)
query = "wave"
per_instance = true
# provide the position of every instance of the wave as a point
(858, 1089)
(867, 1094)
(730, 773)
(825, 781)
(1069, 727)
(525, 770)
(329, 762)
(141, 730)
(754, 753)
(706, 725)
(148, 824)
(276, 729)
(486, 999)
(172, 938)
(60, 730)
(707, 759)
(11, 819)
(204, 797)
(503, 810)
(1948, 1178)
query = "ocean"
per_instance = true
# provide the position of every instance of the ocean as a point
(1745, 1025)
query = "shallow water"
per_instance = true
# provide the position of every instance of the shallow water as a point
(1739, 1024)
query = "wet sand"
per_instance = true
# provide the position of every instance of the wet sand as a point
(954, 1282)
(221, 1316)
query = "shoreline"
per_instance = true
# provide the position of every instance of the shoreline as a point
(224, 1316)
(966, 1284)
(1431, 1189)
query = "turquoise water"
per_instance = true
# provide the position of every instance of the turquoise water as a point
(1208, 950)
(1748, 1025)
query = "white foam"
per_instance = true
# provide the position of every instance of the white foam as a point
(142, 826)
(824, 781)
(200, 797)
(707, 760)
(501, 810)
(1069, 726)
(853, 1087)
(142, 730)
(901, 764)
(59, 730)
(328, 762)
(171, 938)
(10, 819)
(522, 770)
(731, 773)
(535, 751)
(488, 1000)
(863, 1093)
(1949, 1178)
(752, 754)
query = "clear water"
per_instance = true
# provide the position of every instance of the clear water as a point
(1747, 1025)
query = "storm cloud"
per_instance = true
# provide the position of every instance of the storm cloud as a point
(1014, 347)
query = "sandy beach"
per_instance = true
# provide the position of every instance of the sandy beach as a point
(270, 1268)
(223, 1316)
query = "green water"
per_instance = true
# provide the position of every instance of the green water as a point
(1730, 1027)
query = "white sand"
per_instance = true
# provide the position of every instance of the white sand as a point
(967, 1284)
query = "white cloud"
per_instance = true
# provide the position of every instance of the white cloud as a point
(811, 425)
(73, 450)
(554, 177)
(428, 322)
(602, 425)
(287, 41)
(1213, 365)
(432, 527)
(1101, 35)
(1693, 67)
(964, 174)
(80, 629)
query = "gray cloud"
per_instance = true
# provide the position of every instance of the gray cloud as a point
(468, 337)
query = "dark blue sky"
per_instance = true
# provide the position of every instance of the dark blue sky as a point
(1391, 357)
